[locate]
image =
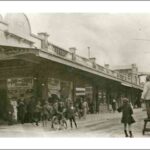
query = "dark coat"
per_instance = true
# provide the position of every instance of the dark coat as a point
(71, 112)
(126, 114)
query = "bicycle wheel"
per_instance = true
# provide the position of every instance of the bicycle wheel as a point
(63, 124)
(55, 123)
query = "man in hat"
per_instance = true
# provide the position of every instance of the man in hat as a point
(146, 95)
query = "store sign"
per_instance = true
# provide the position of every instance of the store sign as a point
(80, 91)
(19, 82)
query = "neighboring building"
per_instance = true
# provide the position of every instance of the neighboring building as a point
(129, 70)
(31, 66)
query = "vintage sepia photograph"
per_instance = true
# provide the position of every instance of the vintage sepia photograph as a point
(74, 74)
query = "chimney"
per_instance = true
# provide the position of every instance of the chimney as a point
(93, 60)
(134, 68)
(43, 35)
(73, 52)
(44, 43)
(106, 66)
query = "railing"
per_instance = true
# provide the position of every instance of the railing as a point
(86, 62)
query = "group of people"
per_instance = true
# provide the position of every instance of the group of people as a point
(36, 111)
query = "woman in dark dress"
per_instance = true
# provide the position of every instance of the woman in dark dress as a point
(127, 118)
(21, 111)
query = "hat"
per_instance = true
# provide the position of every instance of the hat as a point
(125, 100)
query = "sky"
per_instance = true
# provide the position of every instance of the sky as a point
(115, 39)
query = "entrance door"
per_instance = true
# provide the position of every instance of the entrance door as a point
(3, 99)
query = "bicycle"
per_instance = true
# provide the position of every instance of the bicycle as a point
(58, 123)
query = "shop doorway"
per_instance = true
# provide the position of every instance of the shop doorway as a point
(3, 100)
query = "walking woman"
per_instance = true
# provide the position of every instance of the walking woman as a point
(85, 108)
(127, 118)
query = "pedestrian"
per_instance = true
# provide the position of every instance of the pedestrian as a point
(37, 113)
(85, 108)
(21, 111)
(71, 114)
(60, 113)
(146, 95)
(30, 109)
(10, 111)
(114, 104)
(127, 118)
(80, 109)
(45, 113)
(14, 104)
(50, 110)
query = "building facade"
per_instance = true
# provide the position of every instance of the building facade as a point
(31, 66)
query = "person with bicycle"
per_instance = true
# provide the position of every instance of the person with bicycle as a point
(61, 109)
(45, 113)
(54, 112)
(58, 113)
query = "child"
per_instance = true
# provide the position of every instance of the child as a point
(71, 114)
(127, 118)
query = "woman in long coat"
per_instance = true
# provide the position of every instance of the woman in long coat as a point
(127, 118)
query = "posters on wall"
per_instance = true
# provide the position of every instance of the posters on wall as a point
(62, 89)
(53, 87)
(20, 87)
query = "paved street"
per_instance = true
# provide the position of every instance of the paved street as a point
(97, 125)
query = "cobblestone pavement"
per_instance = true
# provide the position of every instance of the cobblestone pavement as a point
(96, 125)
